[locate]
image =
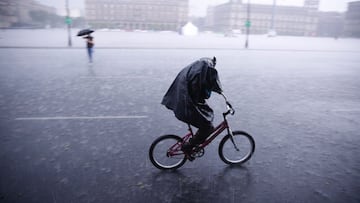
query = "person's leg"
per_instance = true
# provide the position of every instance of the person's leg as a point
(200, 136)
(89, 54)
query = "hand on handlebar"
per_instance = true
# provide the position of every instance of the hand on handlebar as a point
(229, 105)
(230, 108)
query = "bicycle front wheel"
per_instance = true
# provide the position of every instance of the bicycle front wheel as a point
(239, 151)
(165, 152)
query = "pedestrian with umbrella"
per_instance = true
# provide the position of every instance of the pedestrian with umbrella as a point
(89, 42)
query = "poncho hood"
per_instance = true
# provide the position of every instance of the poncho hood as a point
(186, 95)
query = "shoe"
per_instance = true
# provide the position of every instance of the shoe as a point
(187, 149)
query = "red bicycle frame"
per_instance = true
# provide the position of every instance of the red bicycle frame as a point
(176, 148)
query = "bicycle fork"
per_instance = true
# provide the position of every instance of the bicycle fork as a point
(231, 136)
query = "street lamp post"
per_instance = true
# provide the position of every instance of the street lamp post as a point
(272, 28)
(68, 22)
(247, 24)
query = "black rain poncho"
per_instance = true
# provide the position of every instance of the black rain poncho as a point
(186, 95)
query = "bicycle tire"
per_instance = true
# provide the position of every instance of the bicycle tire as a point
(227, 146)
(163, 165)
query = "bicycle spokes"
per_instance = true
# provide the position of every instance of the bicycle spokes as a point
(165, 152)
(236, 148)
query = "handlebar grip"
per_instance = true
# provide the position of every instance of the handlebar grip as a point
(232, 111)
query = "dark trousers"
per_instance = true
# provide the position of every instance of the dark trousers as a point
(90, 53)
(201, 135)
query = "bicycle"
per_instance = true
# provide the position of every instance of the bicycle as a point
(236, 147)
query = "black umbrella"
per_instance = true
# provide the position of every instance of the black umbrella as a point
(85, 32)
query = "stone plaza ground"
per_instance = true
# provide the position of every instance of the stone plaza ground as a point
(71, 131)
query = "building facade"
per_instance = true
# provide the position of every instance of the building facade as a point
(352, 20)
(331, 24)
(17, 12)
(312, 4)
(137, 14)
(287, 20)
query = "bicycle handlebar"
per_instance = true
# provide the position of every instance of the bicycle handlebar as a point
(230, 109)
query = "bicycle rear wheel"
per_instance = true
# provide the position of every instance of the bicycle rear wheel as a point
(163, 157)
(245, 148)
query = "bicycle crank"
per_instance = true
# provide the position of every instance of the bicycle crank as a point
(198, 152)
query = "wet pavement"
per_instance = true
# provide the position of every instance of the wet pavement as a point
(78, 132)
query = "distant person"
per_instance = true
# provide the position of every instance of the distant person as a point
(90, 47)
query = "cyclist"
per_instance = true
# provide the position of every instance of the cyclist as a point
(187, 96)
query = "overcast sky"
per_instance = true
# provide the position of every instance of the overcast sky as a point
(198, 7)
